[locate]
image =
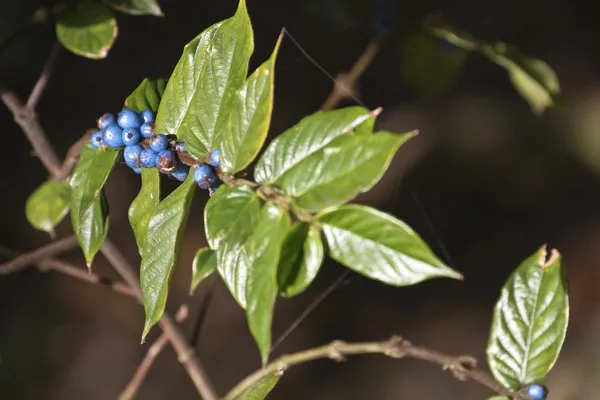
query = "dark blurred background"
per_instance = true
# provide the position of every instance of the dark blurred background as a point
(496, 182)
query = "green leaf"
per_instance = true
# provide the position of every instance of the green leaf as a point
(143, 205)
(380, 247)
(136, 7)
(147, 95)
(88, 29)
(91, 227)
(262, 388)
(161, 249)
(249, 120)
(338, 172)
(301, 259)
(229, 219)
(498, 398)
(263, 249)
(48, 205)
(204, 264)
(305, 138)
(201, 91)
(530, 321)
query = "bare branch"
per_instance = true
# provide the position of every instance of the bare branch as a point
(40, 85)
(206, 300)
(49, 250)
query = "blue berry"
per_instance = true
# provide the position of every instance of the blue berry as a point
(148, 158)
(132, 155)
(137, 170)
(158, 143)
(216, 184)
(204, 176)
(113, 136)
(129, 119)
(537, 392)
(131, 136)
(446, 45)
(166, 162)
(96, 140)
(106, 120)
(215, 158)
(147, 115)
(179, 146)
(147, 130)
(181, 172)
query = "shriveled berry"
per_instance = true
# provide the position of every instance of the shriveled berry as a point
(204, 176)
(113, 136)
(96, 140)
(147, 115)
(181, 172)
(166, 162)
(158, 143)
(132, 155)
(537, 391)
(147, 130)
(214, 158)
(129, 119)
(106, 120)
(148, 158)
(131, 136)
(179, 146)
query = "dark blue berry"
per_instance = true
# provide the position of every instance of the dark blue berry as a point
(147, 115)
(148, 158)
(147, 130)
(132, 155)
(446, 45)
(179, 146)
(166, 162)
(113, 136)
(131, 136)
(216, 184)
(129, 119)
(204, 176)
(537, 391)
(106, 120)
(158, 143)
(215, 158)
(137, 170)
(96, 140)
(181, 172)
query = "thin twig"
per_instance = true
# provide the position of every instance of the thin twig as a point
(153, 351)
(462, 367)
(206, 300)
(40, 85)
(49, 250)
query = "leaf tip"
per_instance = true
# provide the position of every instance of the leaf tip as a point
(375, 113)
(414, 133)
(548, 258)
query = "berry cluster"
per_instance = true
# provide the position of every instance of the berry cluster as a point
(146, 149)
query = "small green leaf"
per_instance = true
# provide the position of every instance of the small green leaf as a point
(380, 247)
(136, 7)
(263, 249)
(147, 95)
(91, 227)
(204, 264)
(143, 205)
(87, 28)
(262, 388)
(307, 137)
(229, 218)
(250, 118)
(338, 172)
(301, 259)
(530, 321)
(498, 398)
(201, 91)
(161, 249)
(48, 205)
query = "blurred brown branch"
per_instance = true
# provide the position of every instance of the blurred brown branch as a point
(23, 261)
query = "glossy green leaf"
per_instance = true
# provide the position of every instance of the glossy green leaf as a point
(229, 218)
(336, 173)
(204, 264)
(91, 227)
(137, 7)
(530, 321)
(250, 118)
(147, 95)
(201, 91)
(143, 205)
(301, 259)
(87, 28)
(307, 137)
(262, 388)
(48, 205)
(161, 249)
(263, 249)
(379, 246)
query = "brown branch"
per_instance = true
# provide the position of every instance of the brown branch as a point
(40, 85)
(47, 251)
(462, 367)
(138, 377)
